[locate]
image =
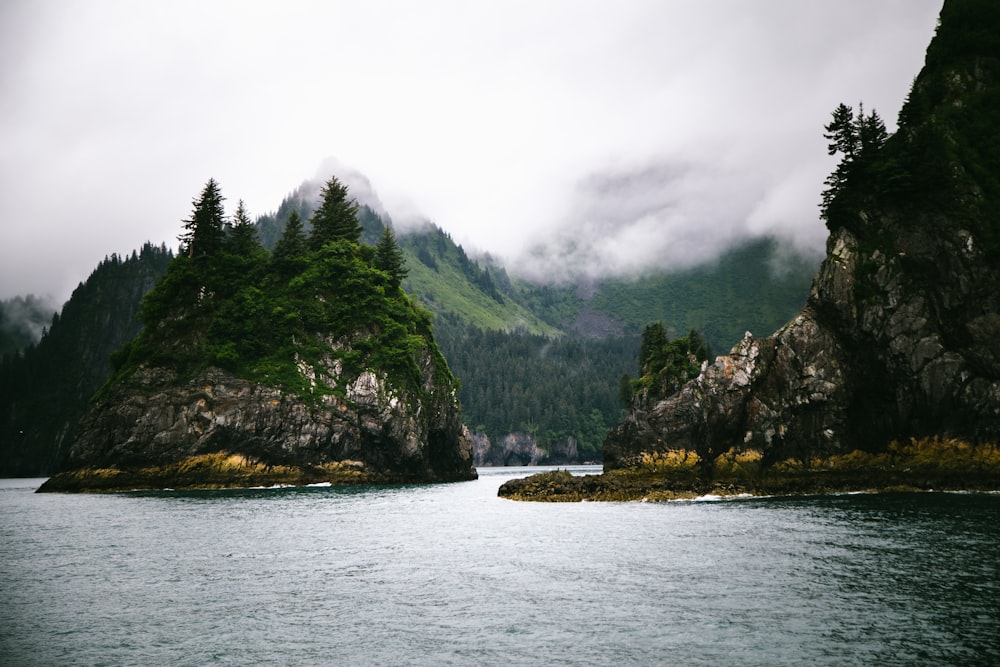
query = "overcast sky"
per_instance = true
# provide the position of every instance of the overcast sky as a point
(667, 129)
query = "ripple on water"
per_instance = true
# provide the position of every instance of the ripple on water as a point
(451, 574)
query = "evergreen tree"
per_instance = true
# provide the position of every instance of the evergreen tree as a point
(390, 258)
(651, 349)
(336, 219)
(290, 250)
(871, 132)
(842, 133)
(204, 232)
(242, 239)
(857, 139)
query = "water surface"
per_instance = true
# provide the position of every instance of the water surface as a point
(452, 575)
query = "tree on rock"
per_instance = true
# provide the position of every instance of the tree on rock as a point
(858, 140)
(204, 232)
(336, 219)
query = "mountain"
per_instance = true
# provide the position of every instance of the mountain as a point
(890, 374)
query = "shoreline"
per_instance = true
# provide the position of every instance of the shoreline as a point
(229, 471)
(629, 486)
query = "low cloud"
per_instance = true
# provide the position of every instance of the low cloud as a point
(670, 216)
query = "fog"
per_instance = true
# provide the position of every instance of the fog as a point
(568, 138)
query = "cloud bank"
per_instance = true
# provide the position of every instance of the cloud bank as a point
(636, 132)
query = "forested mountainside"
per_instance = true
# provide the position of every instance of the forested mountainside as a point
(564, 348)
(46, 387)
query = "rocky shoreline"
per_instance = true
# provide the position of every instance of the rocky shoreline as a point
(920, 465)
(561, 486)
(227, 471)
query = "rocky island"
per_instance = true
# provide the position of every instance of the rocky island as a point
(306, 365)
(890, 375)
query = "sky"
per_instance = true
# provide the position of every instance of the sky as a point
(567, 138)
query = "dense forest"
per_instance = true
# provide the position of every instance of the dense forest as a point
(552, 388)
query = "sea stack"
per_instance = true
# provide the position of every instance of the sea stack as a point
(305, 365)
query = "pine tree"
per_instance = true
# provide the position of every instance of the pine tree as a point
(336, 219)
(242, 239)
(290, 250)
(857, 139)
(204, 232)
(390, 258)
(842, 133)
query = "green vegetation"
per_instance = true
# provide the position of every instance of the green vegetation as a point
(666, 365)
(270, 317)
(448, 282)
(754, 287)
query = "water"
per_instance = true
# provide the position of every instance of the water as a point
(452, 575)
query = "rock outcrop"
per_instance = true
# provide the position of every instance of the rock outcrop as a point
(900, 337)
(156, 421)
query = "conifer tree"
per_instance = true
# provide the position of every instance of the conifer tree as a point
(242, 239)
(390, 258)
(291, 247)
(204, 232)
(336, 219)
(857, 139)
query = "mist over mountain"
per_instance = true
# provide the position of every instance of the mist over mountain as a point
(669, 216)
(23, 320)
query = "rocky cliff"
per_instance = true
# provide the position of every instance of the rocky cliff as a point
(900, 337)
(156, 430)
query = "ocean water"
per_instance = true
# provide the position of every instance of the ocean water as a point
(452, 575)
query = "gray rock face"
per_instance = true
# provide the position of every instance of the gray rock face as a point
(879, 352)
(155, 420)
(900, 336)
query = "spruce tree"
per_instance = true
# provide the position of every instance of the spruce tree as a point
(336, 219)
(290, 250)
(204, 232)
(242, 239)
(390, 258)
